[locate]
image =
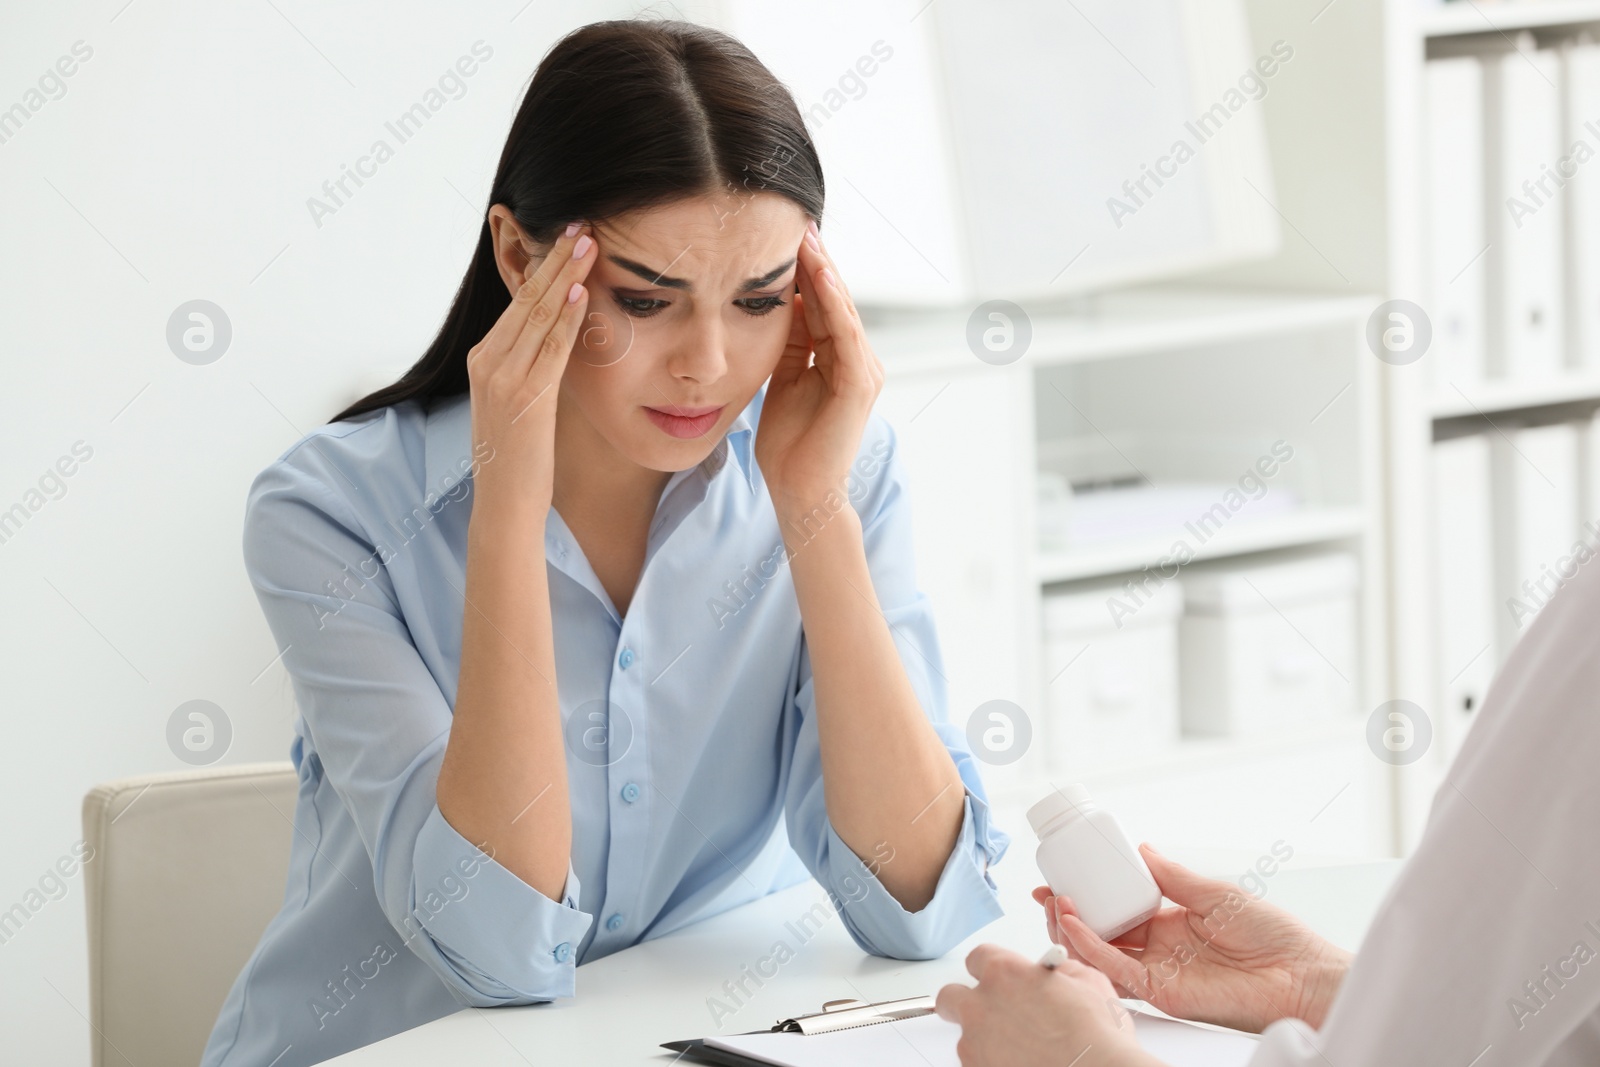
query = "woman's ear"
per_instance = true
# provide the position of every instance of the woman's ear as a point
(513, 250)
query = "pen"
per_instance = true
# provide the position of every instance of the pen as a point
(1053, 957)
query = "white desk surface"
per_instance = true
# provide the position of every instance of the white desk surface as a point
(631, 1001)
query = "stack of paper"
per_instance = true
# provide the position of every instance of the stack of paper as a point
(1183, 510)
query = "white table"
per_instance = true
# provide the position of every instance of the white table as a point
(631, 1001)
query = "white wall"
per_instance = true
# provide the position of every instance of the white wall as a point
(177, 165)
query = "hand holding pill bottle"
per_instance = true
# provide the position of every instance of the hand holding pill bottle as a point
(1085, 855)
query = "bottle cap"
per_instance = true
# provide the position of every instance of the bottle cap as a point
(1067, 798)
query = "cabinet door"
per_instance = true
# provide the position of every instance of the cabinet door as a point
(963, 437)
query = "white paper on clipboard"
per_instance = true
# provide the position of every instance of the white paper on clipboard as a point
(929, 1041)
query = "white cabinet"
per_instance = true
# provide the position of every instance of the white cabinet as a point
(1239, 370)
(1268, 648)
(1112, 691)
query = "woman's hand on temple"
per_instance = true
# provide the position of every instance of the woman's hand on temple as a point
(1221, 956)
(814, 414)
(515, 373)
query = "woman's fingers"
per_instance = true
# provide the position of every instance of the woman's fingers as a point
(542, 274)
(536, 282)
(1116, 965)
(550, 358)
(824, 276)
(1182, 886)
(827, 260)
(797, 349)
(839, 323)
(981, 957)
(1135, 938)
(950, 1000)
(1048, 902)
(561, 276)
(811, 303)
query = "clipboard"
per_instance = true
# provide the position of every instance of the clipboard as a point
(844, 1034)
(835, 1015)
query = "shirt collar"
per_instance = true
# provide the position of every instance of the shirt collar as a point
(741, 438)
(447, 447)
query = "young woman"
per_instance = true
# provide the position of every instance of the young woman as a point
(579, 609)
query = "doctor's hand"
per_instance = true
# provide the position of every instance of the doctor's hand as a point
(1022, 1015)
(1221, 956)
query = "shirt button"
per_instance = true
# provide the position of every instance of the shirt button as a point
(626, 659)
(562, 951)
(614, 922)
(630, 792)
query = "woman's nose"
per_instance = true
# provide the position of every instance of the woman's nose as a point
(699, 352)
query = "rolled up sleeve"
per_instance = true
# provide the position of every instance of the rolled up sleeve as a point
(963, 901)
(965, 898)
(378, 723)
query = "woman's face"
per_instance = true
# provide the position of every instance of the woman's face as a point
(690, 306)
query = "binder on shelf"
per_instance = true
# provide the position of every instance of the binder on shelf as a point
(1580, 122)
(1534, 471)
(1524, 214)
(1589, 479)
(1454, 245)
(1463, 581)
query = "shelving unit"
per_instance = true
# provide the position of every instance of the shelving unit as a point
(1417, 410)
(1493, 398)
(1348, 162)
(1196, 359)
(1345, 130)
(1118, 323)
(1461, 19)
(1306, 527)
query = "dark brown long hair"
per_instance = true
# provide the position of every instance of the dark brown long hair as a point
(620, 115)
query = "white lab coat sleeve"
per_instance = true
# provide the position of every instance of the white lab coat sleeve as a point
(1486, 950)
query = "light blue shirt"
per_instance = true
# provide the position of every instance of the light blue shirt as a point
(355, 540)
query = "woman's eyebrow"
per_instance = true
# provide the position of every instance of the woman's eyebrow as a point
(656, 278)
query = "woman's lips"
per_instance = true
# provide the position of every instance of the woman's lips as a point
(684, 422)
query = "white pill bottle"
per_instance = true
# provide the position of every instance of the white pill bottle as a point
(1084, 854)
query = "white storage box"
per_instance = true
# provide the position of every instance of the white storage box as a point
(1268, 647)
(1119, 698)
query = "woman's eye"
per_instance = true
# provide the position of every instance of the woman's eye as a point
(637, 307)
(761, 305)
(643, 308)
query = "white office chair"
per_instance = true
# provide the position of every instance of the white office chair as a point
(187, 870)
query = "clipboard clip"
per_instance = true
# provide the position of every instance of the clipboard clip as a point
(844, 1014)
